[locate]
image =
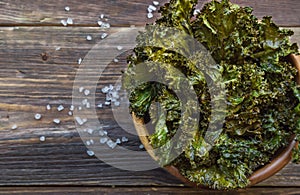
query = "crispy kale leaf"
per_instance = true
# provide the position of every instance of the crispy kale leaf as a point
(262, 97)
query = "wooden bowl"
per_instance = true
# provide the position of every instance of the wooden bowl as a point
(280, 161)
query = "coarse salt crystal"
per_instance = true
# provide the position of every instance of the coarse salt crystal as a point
(118, 141)
(72, 107)
(81, 89)
(37, 116)
(150, 15)
(79, 120)
(100, 105)
(92, 141)
(99, 23)
(14, 127)
(151, 7)
(79, 61)
(48, 107)
(57, 48)
(116, 60)
(105, 25)
(79, 108)
(69, 21)
(103, 140)
(89, 38)
(84, 102)
(88, 105)
(56, 121)
(88, 143)
(90, 131)
(119, 48)
(42, 138)
(102, 16)
(90, 152)
(105, 89)
(60, 108)
(156, 3)
(104, 35)
(117, 103)
(141, 146)
(102, 133)
(64, 22)
(111, 144)
(67, 8)
(107, 103)
(87, 92)
(70, 113)
(124, 139)
(196, 11)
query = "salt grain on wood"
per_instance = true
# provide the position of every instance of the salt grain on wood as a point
(111, 144)
(104, 35)
(90, 152)
(37, 116)
(150, 15)
(69, 21)
(64, 22)
(70, 113)
(89, 38)
(156, 3)
(67, 8)
(87, 92)
(48, 107)
(72, 107)
(79, 61)
(60, 108)
(56, 121)
(119, 48)
(14, 127)
(42, 138)
(81, 89)
(152, 8)
(124, 139)
(103, 140)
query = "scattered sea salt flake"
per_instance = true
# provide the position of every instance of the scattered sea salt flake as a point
(48, 107)
(81, 89)
(69, 21)
(149, 10)
(156, 3)
(92, 141)
(42, 138)
(150, 15)
(99, 23)
(102, 133)
(70, 113)
(79, 108)
(14, 127)
(88, 105)
(103, 140)
(105, 89)
(104, 35)
(88, 143)
(151, 7)
(119, 48)
(67, 8)
(60, 108)
(111, 144)
(90, 131)
(56, 121)
(141, 146)
(79, 61)
(57, 48)
(107, 103)
(117, 103)
(90, 152)
(84, 102)
(118, 141)
(87, 92)
(105, 25)
(116, 60)
(64, 22)
(196, 11)
(72, 107)
(102, 16)
(124, 139)
(89, 38)
(100, 105)
(79, 120)
(37, 116)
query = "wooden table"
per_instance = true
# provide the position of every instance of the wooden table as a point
(38, 64)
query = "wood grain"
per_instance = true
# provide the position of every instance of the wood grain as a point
(121, 12)
(28, 83)
(143, 190)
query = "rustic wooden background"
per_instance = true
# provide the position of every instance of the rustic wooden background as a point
(33, 73)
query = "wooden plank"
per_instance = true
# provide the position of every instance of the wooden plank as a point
(122, 12)
(28, 83)
(142, 190)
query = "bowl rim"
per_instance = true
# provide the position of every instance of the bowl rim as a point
(259, 175)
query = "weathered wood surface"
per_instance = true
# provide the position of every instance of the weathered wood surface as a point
(28, 83)
(33, 73)
(121, 12)
(143, 190)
